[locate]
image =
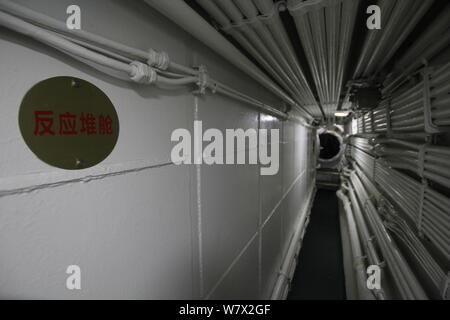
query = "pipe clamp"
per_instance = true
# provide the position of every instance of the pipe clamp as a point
(158, 60)
(142, 73)
(203, 80)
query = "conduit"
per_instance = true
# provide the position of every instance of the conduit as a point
(249, 37)
(428, 265)
(181, 14)
(98, 57)
(423, 211)
(357, 254)
(152, 57)
(399, 19)
(326, 29)
(406, 282)
(418, 108)
(265, 38)
(61, 44)
(434, 39)
(289, 264)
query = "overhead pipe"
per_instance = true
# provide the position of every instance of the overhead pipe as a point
(395, 32)
(252, 35)
(251, 13)
(271, 18)
(325, 29)
(306, 38)
(433, 40)
(399, 19)
(372, 39)
(350, 9)
(242, 22)
(180, 13)
(418, 12)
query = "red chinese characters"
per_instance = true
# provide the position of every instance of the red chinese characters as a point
(67, 124)
(105, 124)
(48, 123)
(88, 124)
(43, 123)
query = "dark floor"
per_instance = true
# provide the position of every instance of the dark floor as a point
(320, 272)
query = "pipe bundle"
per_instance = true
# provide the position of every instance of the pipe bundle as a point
(425, 160)
(433, 40)
(414, 108)
(417, 277)
(398, 20)
(257, 27)
(116, 59)
(432, 272)
(403, 276)
(325, 29)
(416, 212)
(379, 244)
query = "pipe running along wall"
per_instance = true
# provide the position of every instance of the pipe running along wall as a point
(181, 14)
(265, 38)
(138, 66)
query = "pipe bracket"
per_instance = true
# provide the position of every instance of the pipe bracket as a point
(430, 127)
(203, 80)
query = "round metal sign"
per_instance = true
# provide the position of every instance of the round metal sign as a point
(68, 123)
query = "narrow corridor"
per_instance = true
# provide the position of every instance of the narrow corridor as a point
(320, 272)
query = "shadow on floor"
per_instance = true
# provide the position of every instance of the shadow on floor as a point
(320, 272)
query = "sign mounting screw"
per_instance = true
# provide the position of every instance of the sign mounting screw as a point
(75, 83)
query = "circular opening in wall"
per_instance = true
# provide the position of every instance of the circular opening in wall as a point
(330, 146)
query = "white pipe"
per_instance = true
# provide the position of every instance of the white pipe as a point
(387, 33)
(325, 29)
(96, 59)
(258, 35)
(372, 38)
(250, 11)
(403, 275)
(273, 22)
(61, 44)
(255, 47)
(52, 23)
(180, 13)
(257, 104)
(358, 258)
(281, 285)
(418, 14)
(251, 38)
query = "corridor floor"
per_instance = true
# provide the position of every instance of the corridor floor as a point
(320, 272)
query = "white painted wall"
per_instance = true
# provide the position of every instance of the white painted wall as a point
(138, 229)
